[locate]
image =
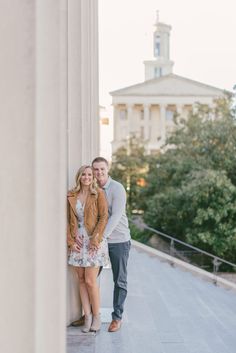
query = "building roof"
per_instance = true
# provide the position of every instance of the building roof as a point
(169, 85)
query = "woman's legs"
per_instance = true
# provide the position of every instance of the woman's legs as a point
(92, 288)
(84, 295)
(90, 297)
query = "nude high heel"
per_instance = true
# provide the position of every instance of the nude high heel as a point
(87, 323)
(96, 325)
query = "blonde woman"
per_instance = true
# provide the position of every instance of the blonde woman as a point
(88, 250)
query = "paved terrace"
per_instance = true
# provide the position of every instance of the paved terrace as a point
(168, 310)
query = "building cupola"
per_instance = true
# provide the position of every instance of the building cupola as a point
(161, 65)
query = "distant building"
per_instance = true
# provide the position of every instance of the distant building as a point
(105, 133)
(147, 109)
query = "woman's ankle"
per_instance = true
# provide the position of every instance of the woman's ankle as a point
(88, 314)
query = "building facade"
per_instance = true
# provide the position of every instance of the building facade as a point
(147, 109)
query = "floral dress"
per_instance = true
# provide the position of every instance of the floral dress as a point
(85, 257)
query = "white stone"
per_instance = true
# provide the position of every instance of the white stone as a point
(39, 89)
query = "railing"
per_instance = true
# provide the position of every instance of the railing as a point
(188, 253)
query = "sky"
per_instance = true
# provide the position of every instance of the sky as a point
(202, 41)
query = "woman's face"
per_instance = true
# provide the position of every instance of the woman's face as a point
(86, 177)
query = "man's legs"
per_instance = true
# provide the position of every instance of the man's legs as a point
(119, 254)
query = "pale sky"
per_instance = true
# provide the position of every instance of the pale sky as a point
(202, 41)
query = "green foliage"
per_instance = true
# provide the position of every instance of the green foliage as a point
(129, 167)
(190, 189)
(137, 234)
(202, 211)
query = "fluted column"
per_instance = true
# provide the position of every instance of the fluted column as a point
(83, 108)
(163, 122)
(116, 123)
(146, 108)
(130, 119)
(179, 109)
(33, 176)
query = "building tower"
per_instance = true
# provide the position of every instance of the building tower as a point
(161, 65)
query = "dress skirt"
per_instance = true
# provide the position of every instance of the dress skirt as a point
(86, 257)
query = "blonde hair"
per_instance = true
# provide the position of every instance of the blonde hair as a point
(93, 186)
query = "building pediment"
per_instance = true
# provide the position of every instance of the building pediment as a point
(169, 85)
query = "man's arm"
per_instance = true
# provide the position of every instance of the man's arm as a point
(118, 204)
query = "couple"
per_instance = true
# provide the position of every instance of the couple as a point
(98, 226)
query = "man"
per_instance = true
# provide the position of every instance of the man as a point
(118, 235)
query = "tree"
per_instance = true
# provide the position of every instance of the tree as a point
(190, 190)
(206, 140)
(129, 167)
(202, 211)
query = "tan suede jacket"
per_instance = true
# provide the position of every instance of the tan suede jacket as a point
(95, 217)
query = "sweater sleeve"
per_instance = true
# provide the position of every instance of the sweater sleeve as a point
(118, 207)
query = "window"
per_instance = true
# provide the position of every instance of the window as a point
(141, 114)
(157, 46)
(157, 72)
(123, 114)
(169, 115)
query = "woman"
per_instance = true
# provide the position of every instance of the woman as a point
(88, 250)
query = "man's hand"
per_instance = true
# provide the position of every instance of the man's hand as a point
(94, 245)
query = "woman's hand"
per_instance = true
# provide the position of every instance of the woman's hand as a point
(78, 243)
(76, 247)
(79, 240)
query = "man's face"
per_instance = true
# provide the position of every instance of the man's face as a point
(100, 170)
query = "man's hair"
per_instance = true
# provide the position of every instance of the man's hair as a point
(100, 159)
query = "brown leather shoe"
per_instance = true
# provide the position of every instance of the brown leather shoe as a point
(114, 326)
(79, 322)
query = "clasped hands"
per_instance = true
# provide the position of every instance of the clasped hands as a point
(93, 245)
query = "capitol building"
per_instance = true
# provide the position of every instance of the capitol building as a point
(147, 109)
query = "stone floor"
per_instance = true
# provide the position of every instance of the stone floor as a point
(168, 310)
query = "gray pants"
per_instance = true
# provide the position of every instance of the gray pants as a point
(119, 254)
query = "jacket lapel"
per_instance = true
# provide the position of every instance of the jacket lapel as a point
(89, 202)
(72, 198)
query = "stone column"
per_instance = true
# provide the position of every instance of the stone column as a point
(179, 109)
(83, 108)
(146, 108)
(163, 122)
(33, 176)
(195, 108)
(179, 112)
(130, 119)
(116, 123)
(33, 150)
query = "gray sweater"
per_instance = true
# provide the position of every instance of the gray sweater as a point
(117, 228)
